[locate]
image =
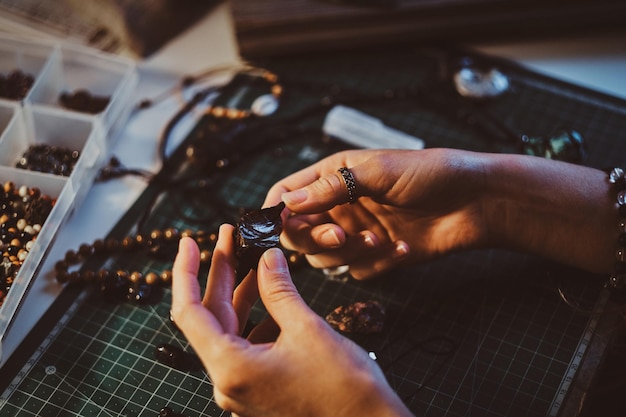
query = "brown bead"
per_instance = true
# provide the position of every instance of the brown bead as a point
(171, 234)
(156, 236)
(128, 243)
(71, 257)
(103, 275)
(135, 277)
(112, 244)
(61, 266)
(98, 246)
(122, 274)
(63, 276)
(85, 250)
(140, 240)
(75, 277)
(277, 90)
(166, 277)
(188, 233)
(16, 242)
(152, 278)
(205, 255)
(89, 276)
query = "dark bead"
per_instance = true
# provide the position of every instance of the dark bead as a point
(61, 266)
(75, 277)
(89, 277)
(114, 288)
(112, 244)
(71, 257)
(139, 292)
(103, 275)
(85, 250)
(128, 243)
(63, 276)
(99, 246)
(176, 358)
(622, 211)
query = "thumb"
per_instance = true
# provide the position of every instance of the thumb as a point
(326, 192)
(278, 293)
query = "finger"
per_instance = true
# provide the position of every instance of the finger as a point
(246, 294)
(218, 297)
(302, 236)
(279, 294)
(190, 315)
(383, 259)
(363, 245)
(185, 288)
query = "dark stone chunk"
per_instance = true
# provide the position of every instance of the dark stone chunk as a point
(256, 231)
(362, 317)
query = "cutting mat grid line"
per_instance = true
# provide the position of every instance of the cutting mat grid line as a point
(475, 334)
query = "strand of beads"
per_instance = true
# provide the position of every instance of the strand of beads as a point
(23, 210)
(123, 285)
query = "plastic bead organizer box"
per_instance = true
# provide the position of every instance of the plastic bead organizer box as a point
(480, 333)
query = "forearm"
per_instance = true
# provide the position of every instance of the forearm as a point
(561, 211)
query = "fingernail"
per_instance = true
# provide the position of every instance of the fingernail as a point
(402, 249)
(275, 260)
(329, 238)
(295, 197)
(369, 239)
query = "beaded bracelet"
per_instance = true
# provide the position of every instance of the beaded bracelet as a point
(618, 179)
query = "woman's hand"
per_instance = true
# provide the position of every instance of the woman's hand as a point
(418, 205)
(308, 370)
(413, 206)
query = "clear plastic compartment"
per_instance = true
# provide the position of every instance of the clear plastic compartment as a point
(40, 119)
(74, 69)
(31, 59)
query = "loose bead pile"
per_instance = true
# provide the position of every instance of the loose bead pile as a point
(57, 160)
(15, 85)
(83, 101)
(23, 211)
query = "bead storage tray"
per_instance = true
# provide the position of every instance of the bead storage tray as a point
(34, 75)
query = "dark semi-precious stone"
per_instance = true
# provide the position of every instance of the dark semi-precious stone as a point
(256, 231)
(177, 358)
(362, 317)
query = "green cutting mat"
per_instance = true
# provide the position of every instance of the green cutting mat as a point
(481, 333)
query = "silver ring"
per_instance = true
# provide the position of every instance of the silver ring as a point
(348, 179)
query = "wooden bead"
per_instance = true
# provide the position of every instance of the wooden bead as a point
(71, 257)
(166, 277)
(205, 255)
(135, 277)
(152, 278)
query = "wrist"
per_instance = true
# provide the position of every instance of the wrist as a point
(554, 209)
